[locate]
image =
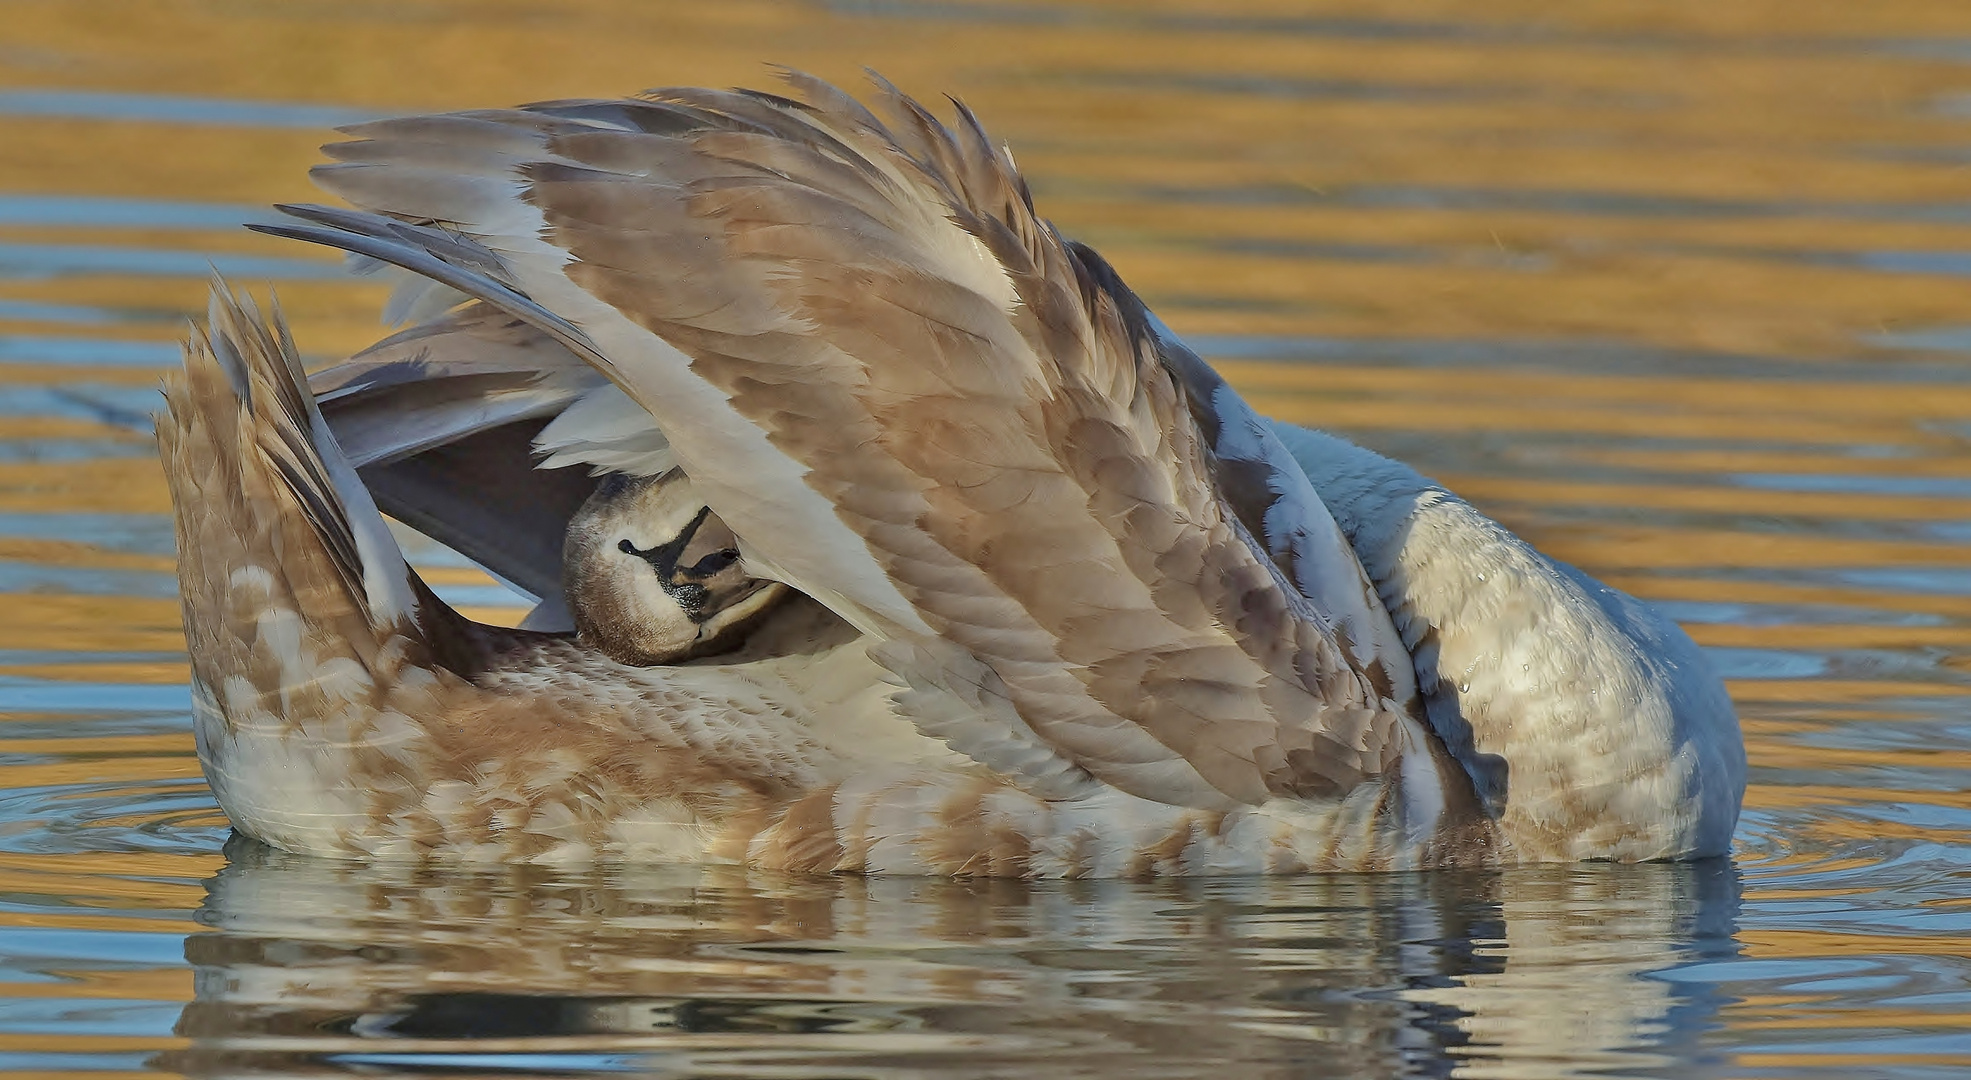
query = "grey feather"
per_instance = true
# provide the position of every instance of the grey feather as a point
(380, 428)
(482, 497)
(415, 256)
(475, 369)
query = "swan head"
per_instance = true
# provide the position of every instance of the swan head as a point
(652, 576)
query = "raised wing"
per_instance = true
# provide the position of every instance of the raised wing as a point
(916, 402)
(471, 370)
(440, 422)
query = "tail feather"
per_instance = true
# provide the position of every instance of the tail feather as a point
(266, 503)
(311, 464)
(300, 612)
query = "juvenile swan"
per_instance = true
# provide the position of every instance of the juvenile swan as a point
(685, 593)
(877, 528)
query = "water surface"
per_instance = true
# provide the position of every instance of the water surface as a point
(1681, 291)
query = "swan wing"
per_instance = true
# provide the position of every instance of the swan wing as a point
(440, 422)
(918, 403)
(448, 420)
(470, 370)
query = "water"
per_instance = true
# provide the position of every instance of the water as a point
(1677, 290)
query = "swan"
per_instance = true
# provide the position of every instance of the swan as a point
(877, 528)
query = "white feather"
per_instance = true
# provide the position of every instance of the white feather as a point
(1619, 736)
(604, 429)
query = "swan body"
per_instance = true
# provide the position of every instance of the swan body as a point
(908, 542)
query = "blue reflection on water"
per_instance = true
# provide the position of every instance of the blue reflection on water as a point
(46, 695)
(168, 109)
(95, 352)
(149, 534)
(121, 949)
(32, 261)
(97, 212)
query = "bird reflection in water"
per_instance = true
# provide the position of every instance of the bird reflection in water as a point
(312, 967)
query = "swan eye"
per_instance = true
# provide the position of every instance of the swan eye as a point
(684, 584)
(715, 562)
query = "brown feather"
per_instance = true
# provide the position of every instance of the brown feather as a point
(982, 403)
(979, 450)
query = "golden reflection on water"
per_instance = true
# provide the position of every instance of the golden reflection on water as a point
(1678, 290)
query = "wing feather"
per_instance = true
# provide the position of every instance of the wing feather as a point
(468, 371)
(914, 400)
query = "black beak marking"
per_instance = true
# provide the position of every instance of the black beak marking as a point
(682, 584)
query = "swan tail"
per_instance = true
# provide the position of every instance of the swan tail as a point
(300, 611)
(259, 484)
